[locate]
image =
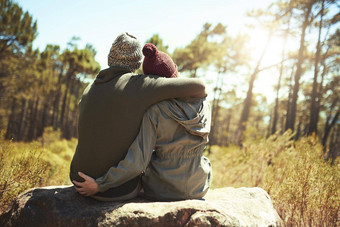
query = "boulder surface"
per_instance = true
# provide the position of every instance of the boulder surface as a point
(63, 206)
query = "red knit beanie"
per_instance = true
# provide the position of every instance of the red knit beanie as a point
(158, 63)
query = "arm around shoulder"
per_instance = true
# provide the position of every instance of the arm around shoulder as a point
(198, 90)
(183, 88)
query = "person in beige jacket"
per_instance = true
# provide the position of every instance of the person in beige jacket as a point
(168, 150)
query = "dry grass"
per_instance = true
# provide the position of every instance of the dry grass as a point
(39, 163)
(304, 188)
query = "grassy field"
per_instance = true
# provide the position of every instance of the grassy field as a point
(304, 188)
(35, 164)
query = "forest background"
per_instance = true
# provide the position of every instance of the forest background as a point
(274, 87)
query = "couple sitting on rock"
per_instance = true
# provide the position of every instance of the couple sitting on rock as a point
(142, 132)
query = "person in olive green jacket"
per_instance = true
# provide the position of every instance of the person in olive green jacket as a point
(111, 112)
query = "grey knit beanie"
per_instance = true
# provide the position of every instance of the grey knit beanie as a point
(126, 52)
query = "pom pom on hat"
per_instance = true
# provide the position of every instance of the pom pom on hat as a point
(158, 63)
(149, 50)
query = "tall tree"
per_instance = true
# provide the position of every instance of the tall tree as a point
(283, 56)
(48, 91)
(230, 55)
(306, 7)
(17, 31)
(326, 57)
(332, 106)
(159, 43)
(248, 100)
(200, 52)
(78, 64)
(270, 21)
(17, 28)
(313, 121)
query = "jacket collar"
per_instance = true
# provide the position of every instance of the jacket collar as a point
(110, 73)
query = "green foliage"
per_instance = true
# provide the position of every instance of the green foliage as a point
(17, 28)
(43, 89)
(158, 42)
(201, 52)
(231, 53)
(305, 189)
(39, 89)
(35, 164)
(79, 61)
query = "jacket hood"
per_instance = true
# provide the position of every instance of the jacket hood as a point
(194, 116)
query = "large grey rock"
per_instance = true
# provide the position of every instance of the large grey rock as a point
(62, 206)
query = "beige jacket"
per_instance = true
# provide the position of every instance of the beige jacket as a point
(169, 151)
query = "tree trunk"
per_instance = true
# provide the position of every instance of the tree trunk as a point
(22, 120)
(56, 112)
(328, 128)
(276, 107)
(298, 73)
(44, 117)
(63, 107)
(67, 127)
(313, 120)
(246, 109)
(228, 128)
(75, 123)
(28, 114)
(289, 99)
(215, 109)
(33, 119)
(298, 132)
(282, 124)
(248, 100)
(271, 116)
(55, 115)
(334, 148)
(320, 89)
(283, 53)
(10, 126)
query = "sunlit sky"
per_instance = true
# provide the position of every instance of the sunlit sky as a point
(176, 21)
